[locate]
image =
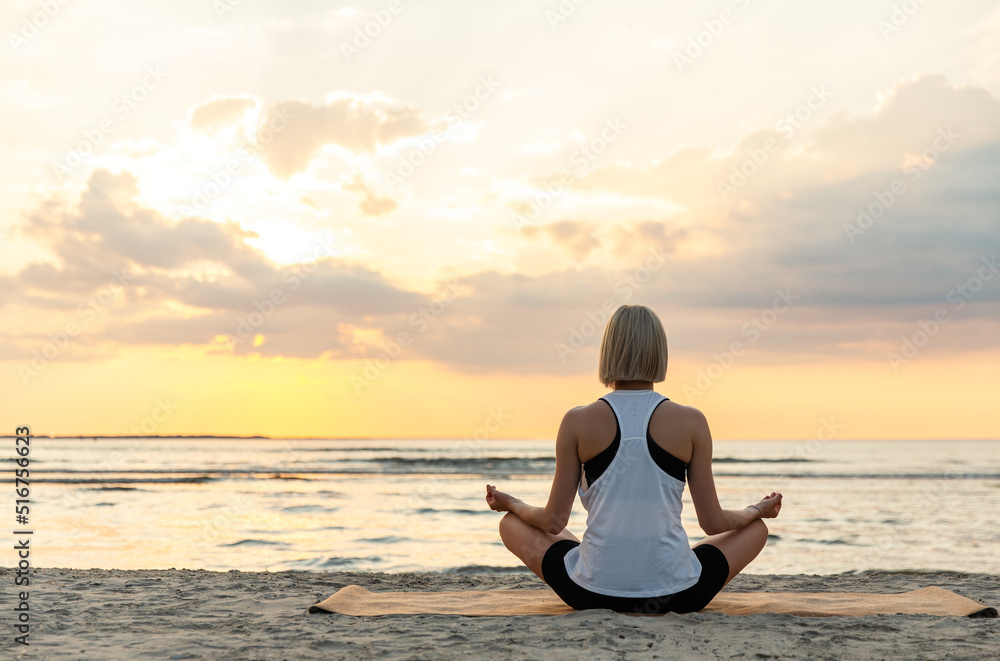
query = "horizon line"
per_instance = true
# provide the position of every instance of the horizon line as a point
(264, 437)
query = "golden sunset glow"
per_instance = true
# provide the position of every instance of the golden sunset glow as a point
(312, 238)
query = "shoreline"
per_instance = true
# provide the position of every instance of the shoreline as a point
(202, 614)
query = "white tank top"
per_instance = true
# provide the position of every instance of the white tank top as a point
(634, 545)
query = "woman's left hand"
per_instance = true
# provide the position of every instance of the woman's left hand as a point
(498, 500)
(769, 506)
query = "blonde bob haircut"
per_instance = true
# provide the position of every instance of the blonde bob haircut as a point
(634, 347)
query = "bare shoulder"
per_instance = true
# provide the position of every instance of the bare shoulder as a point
(680, 430)
(592, 426)
(679, 414)
(587, 414)
(594, 420)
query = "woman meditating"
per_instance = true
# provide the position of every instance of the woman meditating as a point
(629, 454)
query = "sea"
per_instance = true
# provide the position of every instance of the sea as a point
(407, 505)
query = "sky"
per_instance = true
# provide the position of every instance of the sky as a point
(412, 220)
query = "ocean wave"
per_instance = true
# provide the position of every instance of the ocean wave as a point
(957, 575)
(308, 508)
(486, 569)
(827, 542)
(398, 466)
(321, 563)
(431, 510)
(487, 468)
(201, 479)
(256, 542)
(333, 449)
(870, 476)
(784, 460)
(340, 562)
(111, 489)
(263, 471)
(468, 465)
(466, 460)
(297, 494)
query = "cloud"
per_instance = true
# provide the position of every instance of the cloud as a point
(356, 122)
(110, 229)
(219, 111)
(626, 240)
(575, 236)
(906, 123)
(372, 204)
(189, 281)
(195, 280)
(788, 224)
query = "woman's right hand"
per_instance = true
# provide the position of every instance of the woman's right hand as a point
(770, 505)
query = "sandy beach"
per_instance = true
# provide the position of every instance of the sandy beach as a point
(188, 614)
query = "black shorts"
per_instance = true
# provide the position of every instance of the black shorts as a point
(714, 572)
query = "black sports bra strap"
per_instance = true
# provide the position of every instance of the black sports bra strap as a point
(596, 466)
(667, 462)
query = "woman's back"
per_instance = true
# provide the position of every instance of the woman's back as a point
(635, 545)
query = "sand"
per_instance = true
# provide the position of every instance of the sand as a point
(192, 614)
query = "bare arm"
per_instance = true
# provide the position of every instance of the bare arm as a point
(553, 517)
(711, 517)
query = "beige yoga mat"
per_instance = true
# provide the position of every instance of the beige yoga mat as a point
(356, 600)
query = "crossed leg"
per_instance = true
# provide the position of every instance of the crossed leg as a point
(528, 542)
(739, 546)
